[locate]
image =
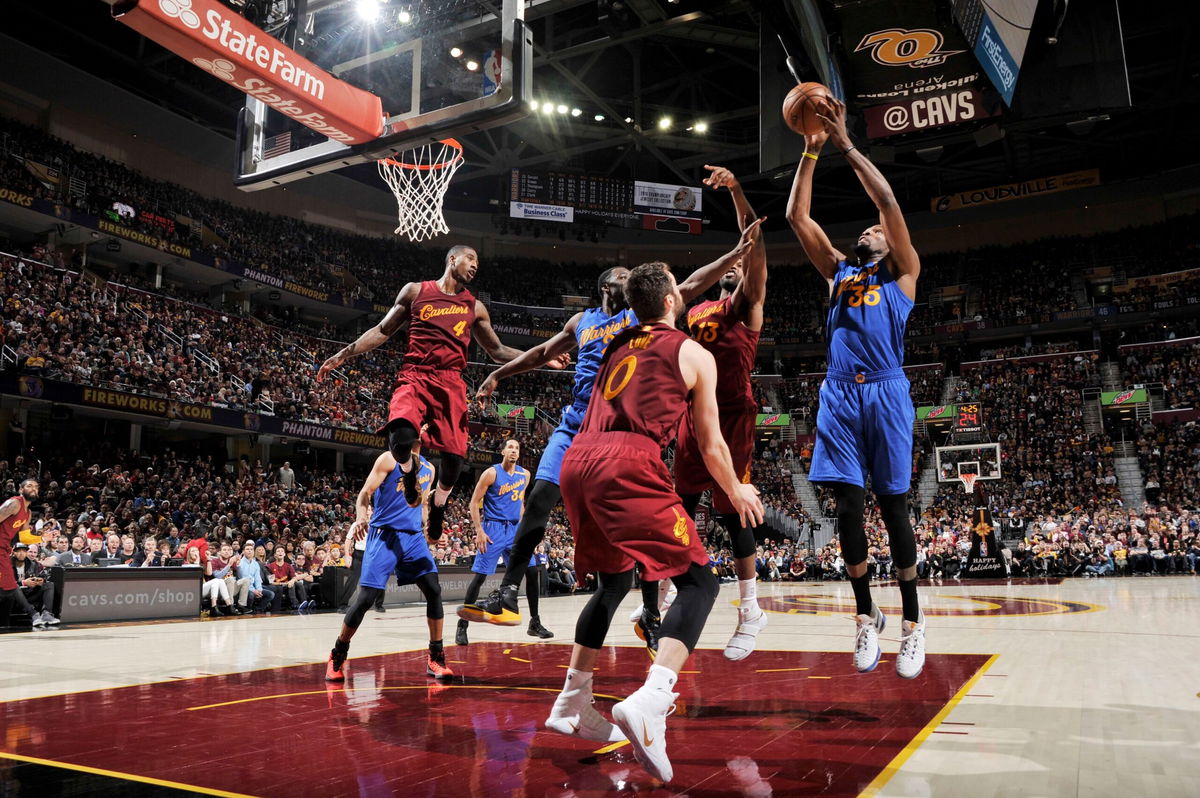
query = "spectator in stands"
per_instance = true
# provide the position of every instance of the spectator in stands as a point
(258, 597)
(35, 583)
(78, 555)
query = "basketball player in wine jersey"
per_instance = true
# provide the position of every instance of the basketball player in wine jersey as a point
(590, 332)
(728, 328)
(14, 522)
(623, 510)
(865, 419)
(442, 316)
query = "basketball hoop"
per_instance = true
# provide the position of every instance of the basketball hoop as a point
(968, 481)
(419, 181)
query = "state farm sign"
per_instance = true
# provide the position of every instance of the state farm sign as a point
(924, 113)
(228, 47)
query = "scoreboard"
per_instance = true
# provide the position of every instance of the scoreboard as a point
(599, 199)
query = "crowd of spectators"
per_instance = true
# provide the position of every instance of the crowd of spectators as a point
(1175, 366)
(1169, 454)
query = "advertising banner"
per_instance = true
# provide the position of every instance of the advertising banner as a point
(887, 63)
(773, 420)
(926, 113)
(998, 32)
(546, 213)
(936, 413)
(515, 411)
(1131, 397)
(221, 42)
(1012, 191)
(126, 594)
(667, 199)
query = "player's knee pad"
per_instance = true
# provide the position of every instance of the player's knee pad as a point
(540, 500)
(742, 537)
(690, 502)
(851, 504)
(431, 588)
(901, 539)
(364, 599)
(698, 589)
(597, 615)
(451, 467)
(401, 435)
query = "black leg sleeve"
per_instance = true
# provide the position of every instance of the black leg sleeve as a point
(540, 500)
(698, 590)
(362, 602)
(742, 537)
(431, 588)
(851, 504)
(899, 528)
(597, 615)
(473, 588)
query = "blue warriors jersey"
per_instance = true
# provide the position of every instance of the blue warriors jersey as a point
(592, 335)
(506, 496)
(865, 324)
(391, 510)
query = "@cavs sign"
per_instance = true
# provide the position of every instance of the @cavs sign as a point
(924, 113)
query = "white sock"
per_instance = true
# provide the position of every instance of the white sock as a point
(748, 595)
(443, 494)
(661, 678)
(577, 679)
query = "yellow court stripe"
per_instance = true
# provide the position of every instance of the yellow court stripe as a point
(820, 677)
(779, 670)
(611, 747)
(518, 659)
(116, 774)
(899, 759)
(398, 687)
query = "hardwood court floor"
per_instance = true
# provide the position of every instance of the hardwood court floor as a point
(1088, 687)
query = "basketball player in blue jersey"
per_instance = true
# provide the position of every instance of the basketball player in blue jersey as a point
(395, 542)
(500, 499)
(865, 419)
(590, 332)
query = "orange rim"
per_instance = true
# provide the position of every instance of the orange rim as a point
(425, 167)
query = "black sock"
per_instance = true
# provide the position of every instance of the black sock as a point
(341, 646)
(435, 646)
(862, 593)
(908, 595)
(531, 591)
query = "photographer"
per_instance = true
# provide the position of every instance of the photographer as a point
(35, 586)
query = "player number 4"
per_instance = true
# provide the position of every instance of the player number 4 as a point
(458, 328)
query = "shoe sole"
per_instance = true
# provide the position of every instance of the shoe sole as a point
(477, 615)
(546, 636)
(641, 633)
(438, 675)
(915, 675)
(335, 679)
(639, 751)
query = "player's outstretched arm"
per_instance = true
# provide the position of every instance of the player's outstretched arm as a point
(905, 264)
(721, 177)
(699, 371)
(384, 465)
(377, 335)
(486, 335)
(816, 244)
(486, 480)
(707, 276)
(555, 351)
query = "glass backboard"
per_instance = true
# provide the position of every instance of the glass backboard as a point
(982, 459)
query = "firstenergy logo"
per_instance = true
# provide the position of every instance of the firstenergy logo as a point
(247, 48)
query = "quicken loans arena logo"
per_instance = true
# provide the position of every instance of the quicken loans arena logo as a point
(246, 47)
(942, 606)
(918, 48)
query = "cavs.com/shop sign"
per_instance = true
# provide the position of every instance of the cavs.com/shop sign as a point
(224, 44)
(925, 113)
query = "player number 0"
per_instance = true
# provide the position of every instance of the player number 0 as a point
(625, 367)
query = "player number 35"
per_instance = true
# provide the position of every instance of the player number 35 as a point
(862, 295)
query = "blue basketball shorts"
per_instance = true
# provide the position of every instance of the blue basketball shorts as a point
(502, 534)
(560, 441)
(865, 430)
(405, 553)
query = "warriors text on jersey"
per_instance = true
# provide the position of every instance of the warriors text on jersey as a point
(439, 330)
(504, 499)
(593, 334)
(716, 327)
(390, 510)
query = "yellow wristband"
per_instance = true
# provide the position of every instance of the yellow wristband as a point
(810, 155)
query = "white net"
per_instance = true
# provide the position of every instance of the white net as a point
(419, 178)
(968, 481)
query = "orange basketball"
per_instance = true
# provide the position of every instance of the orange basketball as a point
(801, 106)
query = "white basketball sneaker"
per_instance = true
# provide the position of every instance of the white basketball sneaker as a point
(866, 640)
(741, 645)
(643, 719)
(911, 658)
(574, 716)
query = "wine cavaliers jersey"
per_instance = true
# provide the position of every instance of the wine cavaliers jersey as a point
(639, 387)
(439, 330)
(716, 327)
(10, 530)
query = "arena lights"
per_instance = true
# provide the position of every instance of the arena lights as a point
(576, 112)
(472, 66)
(701, 127)
(404, 17)
(367, 10)
(562, 109)
(598, 117)
(664, 123)
(456, 52)
(547, 108)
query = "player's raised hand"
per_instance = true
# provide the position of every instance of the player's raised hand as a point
(815, 142)
(359, 528)
(720, 177)
(559, 361)
(486, 389)
(328, 366)
(749, 236)
(835, 124)
(747, 505)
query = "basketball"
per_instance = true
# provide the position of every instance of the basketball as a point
(801, 106)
